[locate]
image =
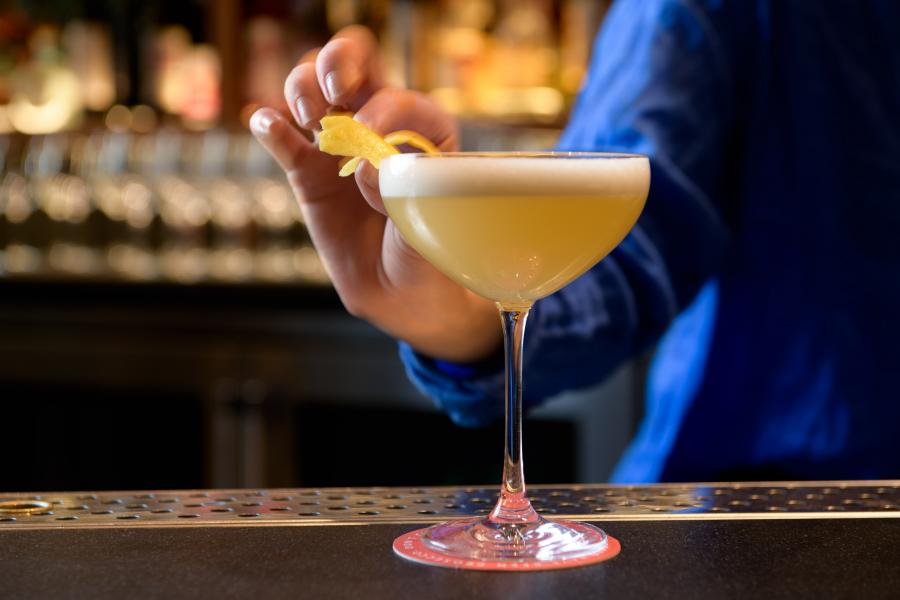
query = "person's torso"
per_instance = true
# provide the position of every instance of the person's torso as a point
(792, 371)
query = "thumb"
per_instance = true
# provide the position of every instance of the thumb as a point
(367, 181)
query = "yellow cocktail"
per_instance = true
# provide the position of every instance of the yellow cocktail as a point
(513, 228)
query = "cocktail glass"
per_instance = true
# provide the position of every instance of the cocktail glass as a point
(513, 228)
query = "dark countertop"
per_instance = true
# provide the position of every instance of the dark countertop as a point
(826, 558)
(31, 293)
(774, 540)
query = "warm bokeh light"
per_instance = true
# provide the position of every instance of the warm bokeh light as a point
(89, 50)
(200, 76)
(143, 119)
(48, 99)
(118, 119)
(172, 47)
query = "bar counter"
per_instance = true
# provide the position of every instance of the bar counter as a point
(778, 540)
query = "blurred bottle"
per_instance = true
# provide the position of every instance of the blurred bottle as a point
(461, 52)
(494, 59)
(579, 21)
(230, 210)
(64, 197)
(21, 219)
(131, 201)
(268, 63)
(183, 208)
(525, 37)
(187, 78)
(90, 56)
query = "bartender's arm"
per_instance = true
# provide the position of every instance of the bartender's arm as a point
(656, 87)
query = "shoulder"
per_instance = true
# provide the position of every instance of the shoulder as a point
(695, 20)
(672, 8)
(691, 34)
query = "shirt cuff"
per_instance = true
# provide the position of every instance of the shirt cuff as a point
(471, 394)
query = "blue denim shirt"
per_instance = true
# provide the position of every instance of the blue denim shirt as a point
(767, 262)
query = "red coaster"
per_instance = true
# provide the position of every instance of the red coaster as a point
(410, 546)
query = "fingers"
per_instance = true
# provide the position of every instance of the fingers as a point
(367, 182)
(344, 73)
(393, 109)
(348, 68)
(293, 152)
(304, 96)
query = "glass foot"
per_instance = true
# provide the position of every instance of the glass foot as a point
(484, 545)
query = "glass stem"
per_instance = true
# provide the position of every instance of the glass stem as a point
(513, 505)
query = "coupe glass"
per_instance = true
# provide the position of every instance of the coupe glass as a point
(513, 228)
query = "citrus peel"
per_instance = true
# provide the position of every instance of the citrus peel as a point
(343, 136)
(411, 138)
(348, 165)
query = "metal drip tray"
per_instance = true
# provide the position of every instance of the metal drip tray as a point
(422, 505)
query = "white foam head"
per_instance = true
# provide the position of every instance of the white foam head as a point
(416, 175)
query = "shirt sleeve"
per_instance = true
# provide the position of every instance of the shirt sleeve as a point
(660, 85)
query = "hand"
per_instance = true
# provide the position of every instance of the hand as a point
(377, 275)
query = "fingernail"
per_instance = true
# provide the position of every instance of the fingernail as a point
(302, 113)
(369, 174)
(332, 86)
(336, 84)
(261, 122)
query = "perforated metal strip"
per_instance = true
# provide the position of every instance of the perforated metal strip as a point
(431, 504)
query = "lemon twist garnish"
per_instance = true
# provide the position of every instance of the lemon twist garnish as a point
(343, 136)
(411, 138)
(348, 166)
